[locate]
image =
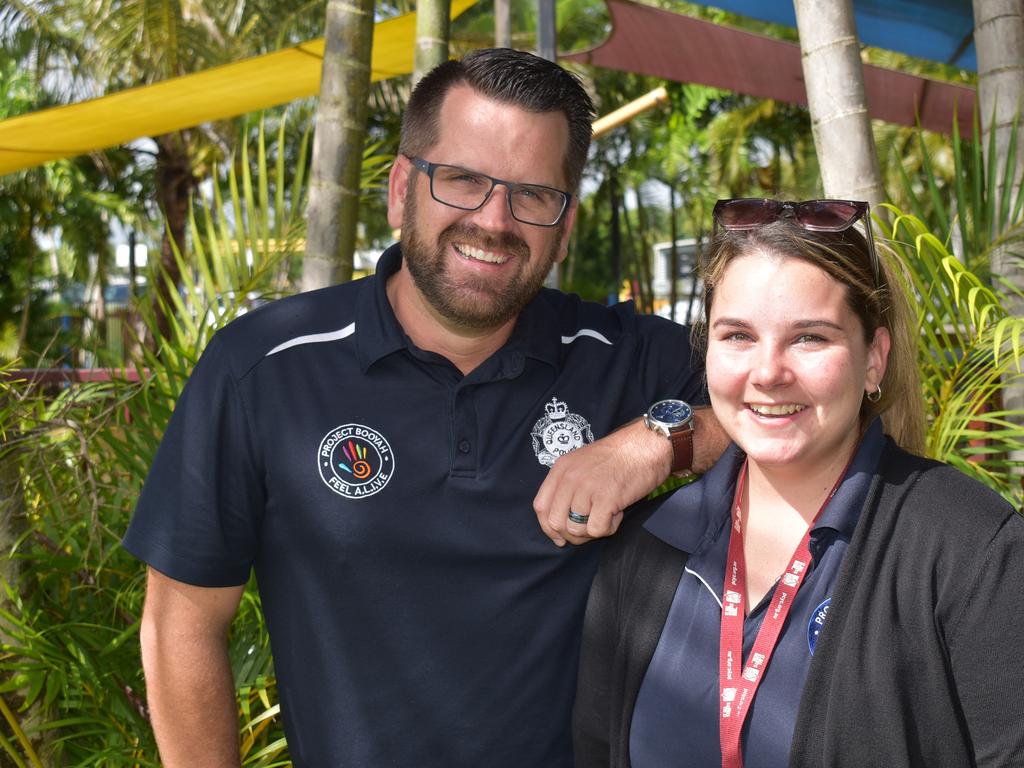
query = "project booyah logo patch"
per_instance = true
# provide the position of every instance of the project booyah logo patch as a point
(355, 461)
(816, 623)
(558, 432)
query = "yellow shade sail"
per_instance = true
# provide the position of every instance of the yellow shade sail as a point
(214, 94)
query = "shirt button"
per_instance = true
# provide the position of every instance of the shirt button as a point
(464, 446)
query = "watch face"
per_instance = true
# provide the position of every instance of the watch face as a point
(671, 412)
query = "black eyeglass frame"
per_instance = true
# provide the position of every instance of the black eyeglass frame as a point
(428, 168)
(776, 209)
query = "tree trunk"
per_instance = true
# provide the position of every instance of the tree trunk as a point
(338, 144)
(834, 78)
(175, 183)
(999, 41)
(502, 23)
(432, 33)
(645, 286)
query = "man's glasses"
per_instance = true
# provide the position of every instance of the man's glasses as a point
(469, 190)
(814, 215)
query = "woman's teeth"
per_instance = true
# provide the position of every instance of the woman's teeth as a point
(775, 410)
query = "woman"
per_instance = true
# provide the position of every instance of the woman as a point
(823, 596)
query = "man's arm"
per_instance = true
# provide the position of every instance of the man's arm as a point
(188, 674)
(605, 477)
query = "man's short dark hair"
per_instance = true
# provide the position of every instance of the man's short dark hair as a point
(514, 77)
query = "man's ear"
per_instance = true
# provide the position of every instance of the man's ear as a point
(570, 218)
(398, 186)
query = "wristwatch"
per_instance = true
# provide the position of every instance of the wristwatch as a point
(674, 420)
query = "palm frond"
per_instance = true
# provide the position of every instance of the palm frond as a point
(969, 352)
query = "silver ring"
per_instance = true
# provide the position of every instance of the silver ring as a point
(578, 518)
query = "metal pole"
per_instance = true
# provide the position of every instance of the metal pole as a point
(502, 23)
(132, 271)
(546, 46)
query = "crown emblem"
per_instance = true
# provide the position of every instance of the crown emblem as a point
(556, 409)
(558, 432)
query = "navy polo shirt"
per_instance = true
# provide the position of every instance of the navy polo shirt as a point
(418, 615)
(676, 717)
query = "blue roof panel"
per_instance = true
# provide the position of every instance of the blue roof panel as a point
(937, 30)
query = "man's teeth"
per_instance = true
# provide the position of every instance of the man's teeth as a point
(775, 410)
(480, 254)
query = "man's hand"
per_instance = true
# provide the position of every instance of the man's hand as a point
(605, 477)
(601, 480)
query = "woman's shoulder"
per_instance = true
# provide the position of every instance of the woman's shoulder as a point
(938, 497)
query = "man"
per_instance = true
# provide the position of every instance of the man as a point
(371, 451)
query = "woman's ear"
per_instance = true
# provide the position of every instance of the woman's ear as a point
(878, 360)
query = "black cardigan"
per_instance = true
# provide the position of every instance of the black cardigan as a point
(921, 661)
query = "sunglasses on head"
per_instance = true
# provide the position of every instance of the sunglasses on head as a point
(815, 215)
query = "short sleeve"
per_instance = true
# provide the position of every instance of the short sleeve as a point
(197, 519)
(668, 365)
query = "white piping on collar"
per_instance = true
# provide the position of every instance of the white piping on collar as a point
(585, 332)
(314, 338)
(701, 580)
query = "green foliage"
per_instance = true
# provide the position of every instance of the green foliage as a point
(968, 214)
(963, 206)
(969, 350)
(68, 202)
(71, 687)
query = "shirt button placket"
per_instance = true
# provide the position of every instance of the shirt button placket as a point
(464, 458)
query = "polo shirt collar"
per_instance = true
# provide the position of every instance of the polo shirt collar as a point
(842, 513)
(693, 513)
(536, 333)
(696, 513)
(380, 334)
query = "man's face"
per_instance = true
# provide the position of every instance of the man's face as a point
(478, 269)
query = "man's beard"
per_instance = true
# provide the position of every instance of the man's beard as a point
(471, 302)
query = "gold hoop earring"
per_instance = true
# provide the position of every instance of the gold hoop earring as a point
(874, 397)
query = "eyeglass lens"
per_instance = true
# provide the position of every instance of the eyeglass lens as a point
(530, 203)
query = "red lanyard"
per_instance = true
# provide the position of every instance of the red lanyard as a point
(737, 687)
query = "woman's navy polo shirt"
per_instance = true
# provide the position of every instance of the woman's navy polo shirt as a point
(418, 615)
(676, 718)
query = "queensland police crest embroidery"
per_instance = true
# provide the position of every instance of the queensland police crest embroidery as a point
(559, 432)
(355, 461)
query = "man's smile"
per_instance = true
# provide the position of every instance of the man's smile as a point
(479, 254)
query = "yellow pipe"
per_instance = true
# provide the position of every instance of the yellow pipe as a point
(624, 114)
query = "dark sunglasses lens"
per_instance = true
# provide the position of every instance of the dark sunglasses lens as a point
(829, 215)
(746, 214)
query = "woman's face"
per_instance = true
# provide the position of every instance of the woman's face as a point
(787, 363)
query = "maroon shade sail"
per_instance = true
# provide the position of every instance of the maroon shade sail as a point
(651, 41)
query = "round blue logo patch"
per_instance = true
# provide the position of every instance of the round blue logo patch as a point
(816, 623)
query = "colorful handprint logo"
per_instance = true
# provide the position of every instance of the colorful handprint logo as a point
(355, 461)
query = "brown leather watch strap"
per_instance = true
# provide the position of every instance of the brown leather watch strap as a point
(682, 451)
